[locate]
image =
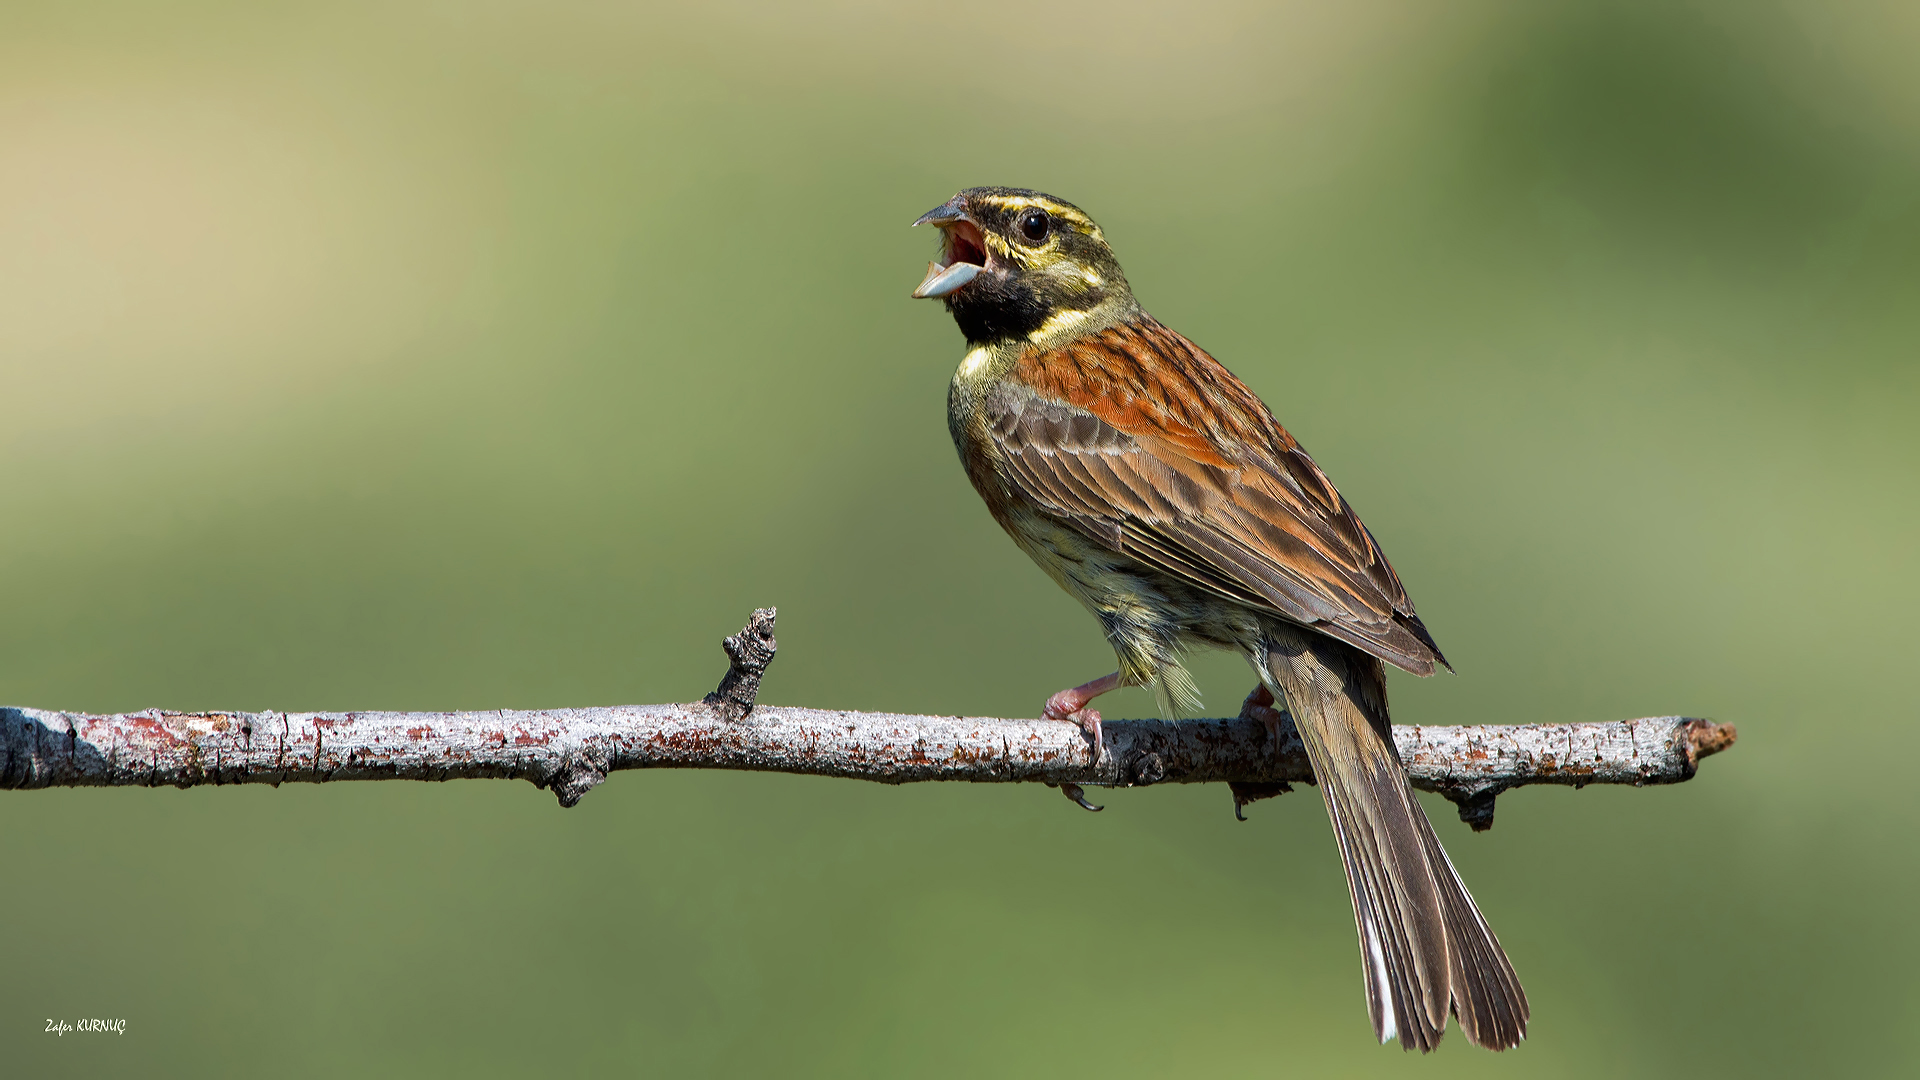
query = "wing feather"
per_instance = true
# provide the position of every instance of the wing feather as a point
(1145, 444)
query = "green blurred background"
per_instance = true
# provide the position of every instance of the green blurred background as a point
(433, 356)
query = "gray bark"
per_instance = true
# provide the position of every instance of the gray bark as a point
(571, 750)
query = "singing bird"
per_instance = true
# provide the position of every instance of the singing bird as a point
(1153, 486)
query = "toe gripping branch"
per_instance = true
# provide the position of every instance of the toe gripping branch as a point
(1261, 706)
(750, 651)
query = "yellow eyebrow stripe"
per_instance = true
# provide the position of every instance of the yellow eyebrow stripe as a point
(1016, 202)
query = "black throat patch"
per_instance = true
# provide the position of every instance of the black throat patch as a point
(994, 308)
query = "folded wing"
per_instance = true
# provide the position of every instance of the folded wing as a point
(1146, 444)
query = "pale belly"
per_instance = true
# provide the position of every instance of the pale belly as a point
(1148, 616)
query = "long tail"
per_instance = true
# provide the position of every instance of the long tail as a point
(1426, 948)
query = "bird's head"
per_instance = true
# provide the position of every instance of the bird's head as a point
(1018, 264)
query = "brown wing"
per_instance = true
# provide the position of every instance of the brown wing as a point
(1146, 444)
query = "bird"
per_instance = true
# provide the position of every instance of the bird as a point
(1158, 490)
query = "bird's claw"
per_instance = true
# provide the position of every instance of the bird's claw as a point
(1074, 792)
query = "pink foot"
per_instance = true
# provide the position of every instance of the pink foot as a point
(1260, 706)
(1088, 719)
(1071, 706)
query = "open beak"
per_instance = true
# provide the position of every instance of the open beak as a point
(965, 256)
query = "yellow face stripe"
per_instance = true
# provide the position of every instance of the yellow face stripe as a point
(1014, 203)
(1058, 323)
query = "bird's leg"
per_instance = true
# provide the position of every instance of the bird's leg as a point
(1071, 706)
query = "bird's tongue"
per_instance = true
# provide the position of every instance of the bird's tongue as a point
(942, 280)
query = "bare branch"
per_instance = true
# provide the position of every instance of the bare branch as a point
(572, 750)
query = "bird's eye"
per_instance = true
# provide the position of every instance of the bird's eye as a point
(1034, 225)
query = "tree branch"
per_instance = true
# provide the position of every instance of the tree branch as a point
(572, 750)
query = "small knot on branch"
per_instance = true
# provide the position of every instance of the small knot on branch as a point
(750, 651)
(1246, 793)
(1146, 769)
(1476, 809)
(1473, 800)
(579, 772)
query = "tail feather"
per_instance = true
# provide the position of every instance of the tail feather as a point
(1427, 950)
(1488, 1000)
